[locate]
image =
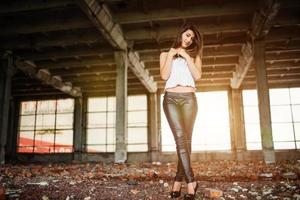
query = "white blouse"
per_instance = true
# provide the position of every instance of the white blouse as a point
(180, 74)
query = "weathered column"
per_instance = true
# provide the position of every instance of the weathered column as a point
(121, 107)
(78, 116)
(6, 71)
(84, 125)
(263, 101)
(13, 126)
(238, 138)
(159, 120)
(153, 138)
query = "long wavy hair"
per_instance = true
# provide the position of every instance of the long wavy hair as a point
(196, 48)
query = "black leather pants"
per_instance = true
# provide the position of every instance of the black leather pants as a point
(181, 111)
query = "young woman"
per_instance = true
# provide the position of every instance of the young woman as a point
(180, 67)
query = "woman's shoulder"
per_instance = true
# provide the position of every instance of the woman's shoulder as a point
(163, 53)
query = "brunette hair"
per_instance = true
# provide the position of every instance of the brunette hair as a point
(196, 47)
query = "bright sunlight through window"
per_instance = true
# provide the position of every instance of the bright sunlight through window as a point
(211, 129)
(285, 118)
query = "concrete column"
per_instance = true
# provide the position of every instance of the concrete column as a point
(263, 101)
(121, 107)
(84, 123)
(159, 121)
(78, 128)
(238, 137)
(6, 71)
(153, 136)
(13, 125)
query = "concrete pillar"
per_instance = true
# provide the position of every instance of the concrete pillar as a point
(6, 72)
(238, 137)
(121, 107)
(78, 128)
(159, 121)
(153, 136)
(13, 126)
(263, 101)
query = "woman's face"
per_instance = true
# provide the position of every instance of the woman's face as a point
(187, 38)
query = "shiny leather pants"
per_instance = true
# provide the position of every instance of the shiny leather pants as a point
(181, 111)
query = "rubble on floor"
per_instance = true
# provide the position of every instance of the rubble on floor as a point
(218, 180)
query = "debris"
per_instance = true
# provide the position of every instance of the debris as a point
(43, 183)
(296, 196)
(234, 189)
(45, 197)
(72, 182)
(290, 175)
(134, 191)
(266, 175)
(166, 185)
(2, 193)
(132, 182)
(156, 163)
(267, 191)
(212, 193)
(223, 180)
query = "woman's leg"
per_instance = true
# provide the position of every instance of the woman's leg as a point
(180, 173)
(189, 113)
(174, 116)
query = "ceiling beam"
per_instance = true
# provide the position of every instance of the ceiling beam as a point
(101, 17)
(228, 8)
(261, 24)
(96, 70)
(12, 7)
(209, 40)
(112, 92)
(101, 50)
(135, 59)
(67, 52)
(168, 32)
(73, 63)
(282, 45)
(207, 61)
(45, 76)
(91, 37)
(283, 55)
(54, 22)
(101, 71)
(53, 39)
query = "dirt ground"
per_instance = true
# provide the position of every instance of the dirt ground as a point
(230, 180)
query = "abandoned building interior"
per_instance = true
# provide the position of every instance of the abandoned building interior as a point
(80, 80)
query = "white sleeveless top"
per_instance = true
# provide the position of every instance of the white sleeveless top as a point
(180, 74)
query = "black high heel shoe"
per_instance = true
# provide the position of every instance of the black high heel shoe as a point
(191, 196)
(175, 194)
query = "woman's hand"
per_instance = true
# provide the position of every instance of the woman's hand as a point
(172, 52)
(183, 53)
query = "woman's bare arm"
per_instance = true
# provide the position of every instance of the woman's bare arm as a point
(165, 61)
(195, 67)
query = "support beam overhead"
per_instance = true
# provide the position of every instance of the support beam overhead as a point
(261, 24)
(44, 24)
(139, 70)
(45, 76)
(26, 6)
(101, 17)
(167, 32)
(230, 8)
